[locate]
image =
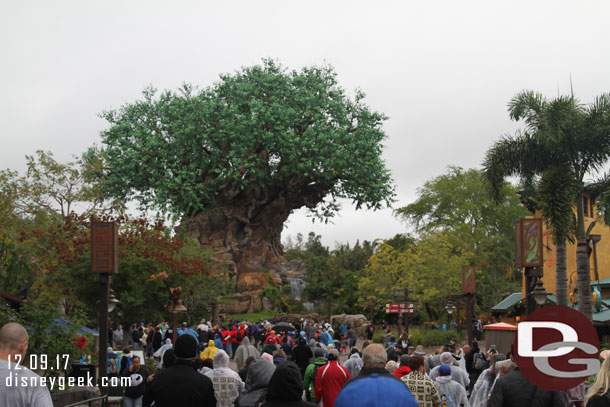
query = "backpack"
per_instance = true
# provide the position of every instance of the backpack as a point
(313, 382)
(239, 337)
(478, 363)
(127, 363)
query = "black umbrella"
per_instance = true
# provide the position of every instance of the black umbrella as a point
(284, 327)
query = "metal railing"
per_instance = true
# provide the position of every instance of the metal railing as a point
(103, 398)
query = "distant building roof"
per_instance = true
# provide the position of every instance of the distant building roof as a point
(507, 303)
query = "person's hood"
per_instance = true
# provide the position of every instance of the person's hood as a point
(269, 348)
(355, 356)
(419, 353)
(278, 359)
(401, 371)
(312, 342)
(211, 344)
(259, 374)
(221, 359)
(320, 362)
(443, 379)
(286, 383)
(246, 341)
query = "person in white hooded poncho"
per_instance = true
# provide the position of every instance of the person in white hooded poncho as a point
(482, 389)
(452, 393)
(161, 351)
(243, 351)
(227, 383)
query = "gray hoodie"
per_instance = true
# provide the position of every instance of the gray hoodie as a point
(449, 388)
(354, 364)
(257, 381)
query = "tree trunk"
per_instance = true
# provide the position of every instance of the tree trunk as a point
(561, 270)
(582, 263)
(245, 237)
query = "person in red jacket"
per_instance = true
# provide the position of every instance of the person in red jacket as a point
(272, 338)
(237, 336)
(330, 379)
(226, 341)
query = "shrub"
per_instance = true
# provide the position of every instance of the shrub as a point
(431, 337)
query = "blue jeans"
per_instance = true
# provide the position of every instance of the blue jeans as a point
(227, 348)
(129, 402)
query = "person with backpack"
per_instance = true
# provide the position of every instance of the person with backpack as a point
(475, 363)
(452, 393)
(126, 358)
(237, 336)
(311, 372)
(286, 345)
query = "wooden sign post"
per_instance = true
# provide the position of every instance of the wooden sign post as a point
(104, 261)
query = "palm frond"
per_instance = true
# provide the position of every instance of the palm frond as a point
(557, 191)
(527, 105)
(522, 155)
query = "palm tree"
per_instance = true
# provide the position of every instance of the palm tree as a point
(563, 142)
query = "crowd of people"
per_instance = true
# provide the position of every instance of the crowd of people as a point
(304, 367)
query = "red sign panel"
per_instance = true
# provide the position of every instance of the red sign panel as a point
(468, 280)
(104, 247)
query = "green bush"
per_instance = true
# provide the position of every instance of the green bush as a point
(431, 337)
(378, 336)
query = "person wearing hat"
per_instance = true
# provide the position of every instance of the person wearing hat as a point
(329, 379)
(180, 384)
(286, 388)
(457, 374)
(451, 392)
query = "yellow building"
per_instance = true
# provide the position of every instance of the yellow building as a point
(512, 306)
(601, 251)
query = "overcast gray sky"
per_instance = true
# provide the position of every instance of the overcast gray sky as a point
(443, 71)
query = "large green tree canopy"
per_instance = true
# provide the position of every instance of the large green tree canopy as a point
(262, 131)
(236, 158)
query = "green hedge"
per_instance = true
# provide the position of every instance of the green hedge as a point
(425, 337)
(431, 337)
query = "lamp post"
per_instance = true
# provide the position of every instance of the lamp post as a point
(175, 307)
(450, 308)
